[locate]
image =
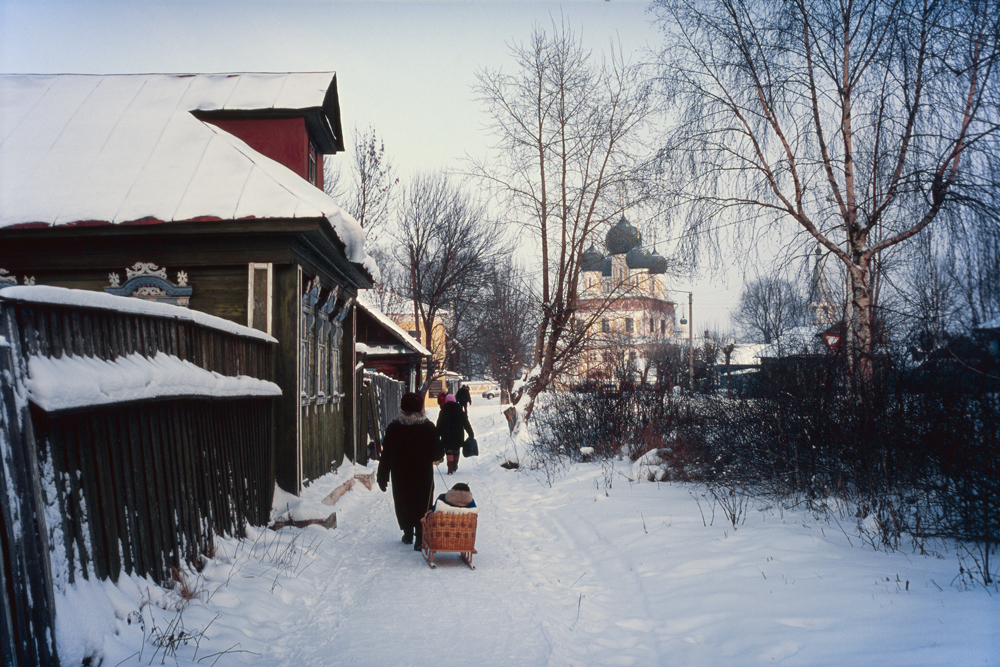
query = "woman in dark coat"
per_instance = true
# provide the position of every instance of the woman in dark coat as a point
(409, 449)
(452, 425)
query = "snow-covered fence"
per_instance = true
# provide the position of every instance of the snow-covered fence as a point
(132, 433)
(384, 395)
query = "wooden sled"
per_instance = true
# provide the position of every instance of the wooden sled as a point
(445, 531)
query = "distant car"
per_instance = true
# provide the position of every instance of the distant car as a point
(491, 392)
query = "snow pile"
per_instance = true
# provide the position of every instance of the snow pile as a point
(579, 568)
(76, 382)
(288, 507)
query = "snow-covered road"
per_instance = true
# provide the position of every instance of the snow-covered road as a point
(593, 569)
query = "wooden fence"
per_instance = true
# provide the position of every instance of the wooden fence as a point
(382, 395)
(141, 481)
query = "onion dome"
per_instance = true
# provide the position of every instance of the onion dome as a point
(637, 258)
(657, 263)
(591, 260)
(622, 237)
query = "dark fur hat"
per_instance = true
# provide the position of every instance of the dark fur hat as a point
(411, 402)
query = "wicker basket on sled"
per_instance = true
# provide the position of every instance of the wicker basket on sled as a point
(444, 531)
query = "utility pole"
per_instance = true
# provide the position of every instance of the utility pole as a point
(690, 335)
(691, 342)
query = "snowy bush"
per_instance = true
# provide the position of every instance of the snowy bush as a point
(918, 461)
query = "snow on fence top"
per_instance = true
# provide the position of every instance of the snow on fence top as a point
(61, 296)
(125, 148)
(72, 382)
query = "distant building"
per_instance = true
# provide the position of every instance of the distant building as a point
(823, 309)
(989, 332)
(638, 316)
(439, 339)
(386, 348)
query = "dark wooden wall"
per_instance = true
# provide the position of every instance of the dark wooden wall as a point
(146, 487)
(141, 486)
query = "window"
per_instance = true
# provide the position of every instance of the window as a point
(313, 160)
(652, 325)
(663, 327)
(320, 343)
(605, 326)
(628, 324)
(307, 362)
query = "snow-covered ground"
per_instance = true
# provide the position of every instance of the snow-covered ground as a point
(590, 570)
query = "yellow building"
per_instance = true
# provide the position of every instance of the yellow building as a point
(438, 337)
(438, 347)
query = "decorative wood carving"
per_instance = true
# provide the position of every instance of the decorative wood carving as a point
(148, 281)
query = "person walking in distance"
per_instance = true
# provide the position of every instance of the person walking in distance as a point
(464, 397)
(452, 425)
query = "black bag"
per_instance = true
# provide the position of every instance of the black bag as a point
(470, 448)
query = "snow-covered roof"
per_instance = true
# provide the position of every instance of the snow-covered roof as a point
(746, 354)
(365, 304)
(992, 324)
(126, 148)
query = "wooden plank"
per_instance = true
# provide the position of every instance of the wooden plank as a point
(163, 515)
(120, 463)
(65, 439)
(135, 505)
(92, 344)
(188, 512)
(38, 338)
(28, 600)
(66, 331)
(236, 488)
(52, 444)
(286, 316)
(112, 521)
(152, 542)
(217, 491)
(90, 481)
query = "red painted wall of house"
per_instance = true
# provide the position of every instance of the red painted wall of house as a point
(284, 140)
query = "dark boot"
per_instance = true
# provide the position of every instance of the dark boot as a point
(408, 535)
(417, 545)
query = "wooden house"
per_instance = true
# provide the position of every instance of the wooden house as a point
(202, 190)
(385, 348)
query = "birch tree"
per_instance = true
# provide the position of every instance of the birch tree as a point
(858, 123)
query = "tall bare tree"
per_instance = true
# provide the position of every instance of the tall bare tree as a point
(504, 333)
(861, 123)
(569, 132)
(369, 187)
(768, 307)
(443, 240)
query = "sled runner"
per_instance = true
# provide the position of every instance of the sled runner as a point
(444, 531)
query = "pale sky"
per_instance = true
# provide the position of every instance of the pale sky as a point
(405, 67)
